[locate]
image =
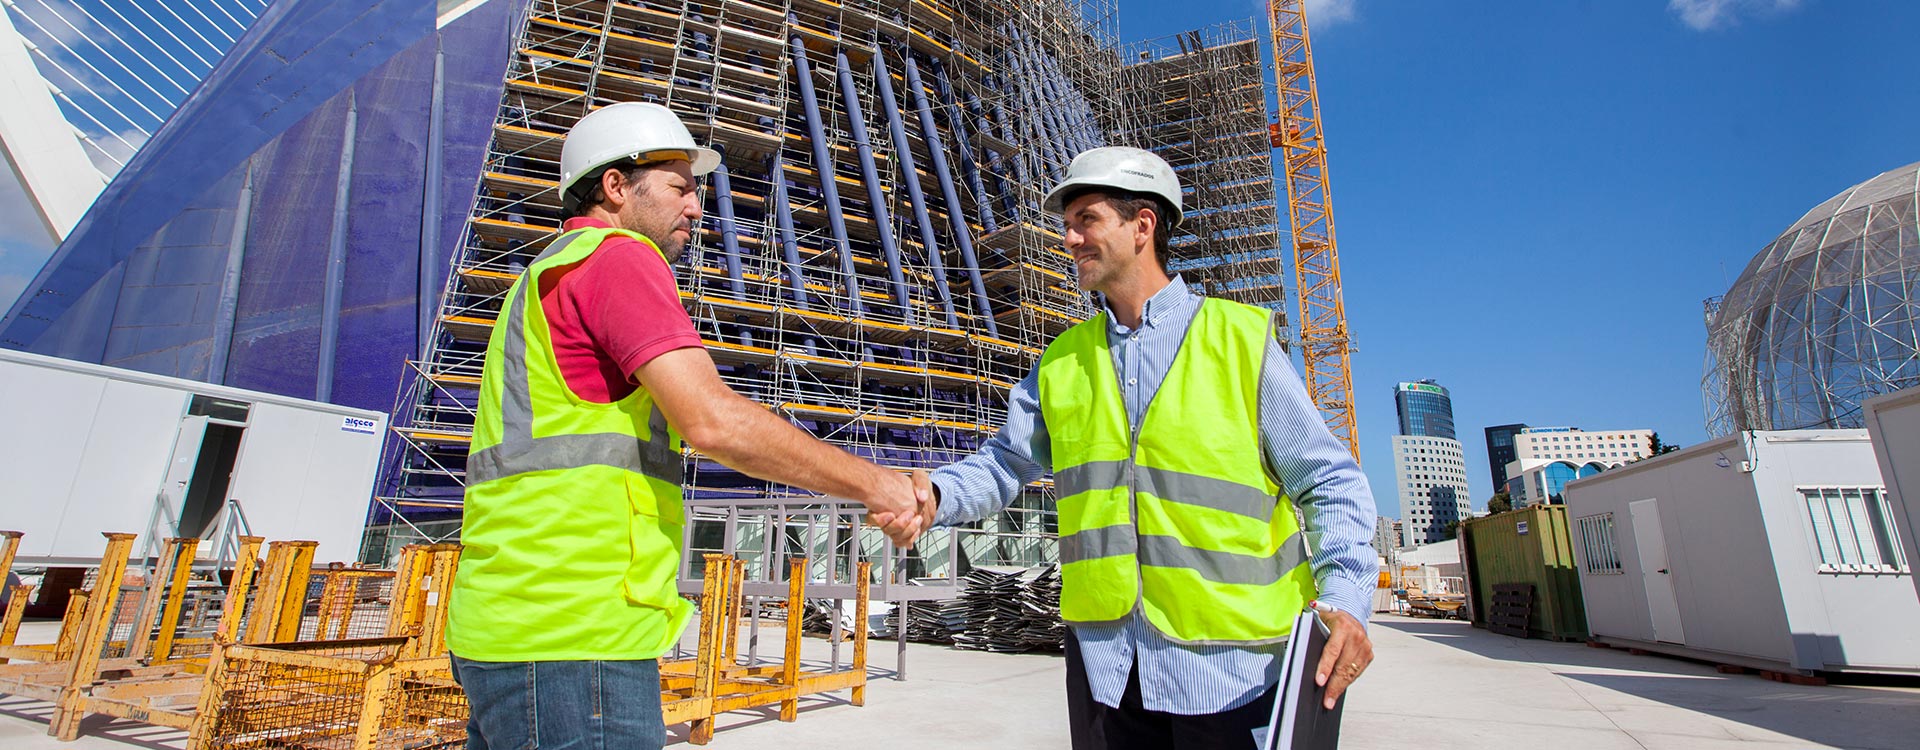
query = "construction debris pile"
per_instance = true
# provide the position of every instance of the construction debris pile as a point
(1006, 610)
(1012, 611)
(931, 622)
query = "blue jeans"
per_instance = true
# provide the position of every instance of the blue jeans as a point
(562, 705)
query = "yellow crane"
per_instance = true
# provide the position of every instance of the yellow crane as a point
(1324, 344)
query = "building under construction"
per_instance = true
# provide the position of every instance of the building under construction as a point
(1201, 103)
(873, 263)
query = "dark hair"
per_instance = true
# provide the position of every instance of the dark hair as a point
(590, 191)
(1128, 204)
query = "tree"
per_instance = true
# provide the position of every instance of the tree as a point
(1657, 448)
(1501, 503)
(1450, 531)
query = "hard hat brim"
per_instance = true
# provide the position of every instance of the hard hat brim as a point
(1056, 201)
(704, 160)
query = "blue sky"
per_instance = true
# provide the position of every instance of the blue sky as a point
(1533, 199)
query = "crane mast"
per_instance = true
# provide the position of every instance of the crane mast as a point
(1324, 343)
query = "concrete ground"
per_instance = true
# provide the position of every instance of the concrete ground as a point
(1435, 684)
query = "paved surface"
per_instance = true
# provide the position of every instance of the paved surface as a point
(1435, 685)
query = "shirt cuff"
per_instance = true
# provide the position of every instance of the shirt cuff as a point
(945, 493)
(1348, 596)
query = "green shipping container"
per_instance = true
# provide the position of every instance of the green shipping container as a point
(1530, 545)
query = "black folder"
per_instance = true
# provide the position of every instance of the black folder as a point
(1301, 720)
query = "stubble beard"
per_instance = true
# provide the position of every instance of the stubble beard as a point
(662, 236)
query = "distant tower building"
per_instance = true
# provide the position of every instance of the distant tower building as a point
(1386, 537)
(1430, 470)
(1425, 409)
(1500, 451)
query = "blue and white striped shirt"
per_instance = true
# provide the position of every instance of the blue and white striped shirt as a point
(1335, 502)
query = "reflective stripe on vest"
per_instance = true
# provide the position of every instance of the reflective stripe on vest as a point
(519, 452)
(1178, 520)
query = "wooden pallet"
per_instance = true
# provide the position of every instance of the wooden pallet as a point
(1512, 609)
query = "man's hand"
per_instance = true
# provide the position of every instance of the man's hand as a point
(902, 507)
(1347, 654)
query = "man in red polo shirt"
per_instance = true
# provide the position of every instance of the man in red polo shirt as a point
(565, 597)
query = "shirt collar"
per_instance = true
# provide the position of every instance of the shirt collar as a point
(583, 222)
(1162, 306)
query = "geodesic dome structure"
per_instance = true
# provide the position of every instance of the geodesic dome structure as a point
(1823, 318)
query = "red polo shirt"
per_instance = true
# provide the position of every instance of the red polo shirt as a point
(612, 313)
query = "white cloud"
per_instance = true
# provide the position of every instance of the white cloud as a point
(1324, 13)
(109, 152)
(66, 29)
(1707, 15)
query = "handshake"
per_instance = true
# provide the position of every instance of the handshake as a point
(902, 506)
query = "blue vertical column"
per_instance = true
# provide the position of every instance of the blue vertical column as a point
(1086, 128)
(996, 166)
(336, 269)
(789, 241)
(876, 198)
(1021, 170)
(957, 121)
(227, 318)
(428, 302)
(1040, 117)
(962, 234)
(824, 169)
(903, 158)
(1049, 110)
(729, 228)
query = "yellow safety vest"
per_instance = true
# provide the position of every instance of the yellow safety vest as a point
(573, 518)
(1180, 517)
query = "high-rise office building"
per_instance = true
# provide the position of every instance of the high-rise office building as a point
(1500, 451)
(1545, 459)
(1429, 467)
(1425, 409)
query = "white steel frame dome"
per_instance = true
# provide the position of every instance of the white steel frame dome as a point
(1823, 318)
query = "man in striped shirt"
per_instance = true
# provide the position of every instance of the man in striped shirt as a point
(1130, 684)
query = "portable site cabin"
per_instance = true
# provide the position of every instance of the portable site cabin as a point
(1894, 422)
(93, 449)
(1769, 550)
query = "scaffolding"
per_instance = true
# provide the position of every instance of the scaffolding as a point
(873, 263)
(1201, 104)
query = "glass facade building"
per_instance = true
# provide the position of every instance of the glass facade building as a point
(1500, 451)
(1425, 409)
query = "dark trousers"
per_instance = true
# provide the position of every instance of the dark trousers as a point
(562, 705)
(1097, 726)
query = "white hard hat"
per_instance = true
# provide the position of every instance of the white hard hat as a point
(1120, 167)
(636, 131)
